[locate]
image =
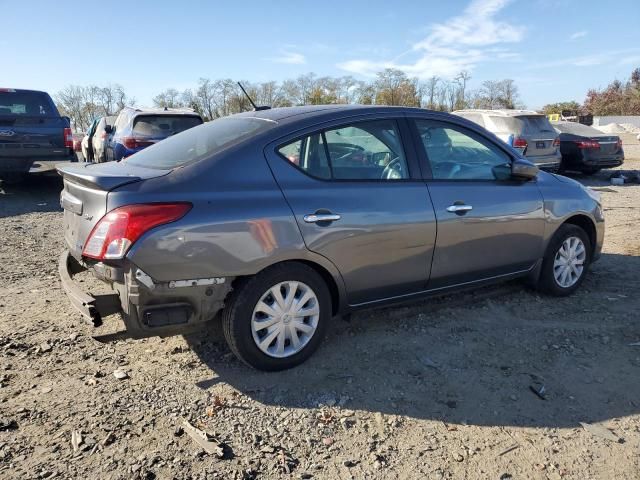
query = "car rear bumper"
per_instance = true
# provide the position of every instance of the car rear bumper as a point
(147, 309)
(605, 162)
(546, 162)
(92, 307)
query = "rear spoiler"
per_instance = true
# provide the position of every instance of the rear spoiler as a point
(102, 179)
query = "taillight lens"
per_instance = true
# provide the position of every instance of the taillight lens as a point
(134, 142)
(120, 228)
(519, 142)
(556, 142)
(588, 144)
(619, 144)
(68, 138)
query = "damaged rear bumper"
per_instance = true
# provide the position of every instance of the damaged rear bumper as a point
(92, 307)
(147, 308)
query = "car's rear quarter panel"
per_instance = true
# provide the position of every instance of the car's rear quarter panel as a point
(240, 222)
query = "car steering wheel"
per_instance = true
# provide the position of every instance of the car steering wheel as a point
(393, 171)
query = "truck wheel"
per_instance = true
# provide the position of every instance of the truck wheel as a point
(277, 319)
(566, 261)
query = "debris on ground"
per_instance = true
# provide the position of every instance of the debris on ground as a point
(600, 431)
(207, 443)
(120, 374)
(539, 389)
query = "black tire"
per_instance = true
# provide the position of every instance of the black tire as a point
(547, 282)
(591, 171)
(237, 315)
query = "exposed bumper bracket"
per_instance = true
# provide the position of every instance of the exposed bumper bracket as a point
(93, 308)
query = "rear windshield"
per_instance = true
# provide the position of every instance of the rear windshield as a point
(199, 143)
(577, 129)
(525, 125)
(27, 104)
(163, 125)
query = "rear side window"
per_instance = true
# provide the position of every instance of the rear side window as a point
(27, 104)
(200, 142)
(163, 125)
(362, 151)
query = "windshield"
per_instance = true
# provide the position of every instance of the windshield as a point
(200, 142)
(27, 104)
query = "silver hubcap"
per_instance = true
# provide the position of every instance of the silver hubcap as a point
(569, 262)
(285, 318)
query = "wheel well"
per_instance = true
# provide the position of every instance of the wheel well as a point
(329, 280)
(586, 224)
(323, 272)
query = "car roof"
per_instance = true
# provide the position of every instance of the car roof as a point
(503, 112)
(21, 90)
(161, 111)
(284, 115)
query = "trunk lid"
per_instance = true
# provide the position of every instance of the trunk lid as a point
(608, 144)
(85, 192)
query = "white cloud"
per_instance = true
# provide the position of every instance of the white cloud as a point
(594, 59)
(292, 58)
(457, 44)
(577, 35)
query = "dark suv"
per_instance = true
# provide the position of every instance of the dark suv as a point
(136, 129)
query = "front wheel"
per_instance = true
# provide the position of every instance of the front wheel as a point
(566, 261)
(277, 319)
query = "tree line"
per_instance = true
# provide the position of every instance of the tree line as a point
(617, 98)
(218, 98)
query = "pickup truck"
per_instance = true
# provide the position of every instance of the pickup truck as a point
(31, 130)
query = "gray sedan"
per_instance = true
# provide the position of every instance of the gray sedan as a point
(277, 220)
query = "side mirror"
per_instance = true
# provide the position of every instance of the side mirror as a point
(524, 169)
(108, 129)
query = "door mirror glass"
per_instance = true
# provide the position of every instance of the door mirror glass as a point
(502, 172)
(524, 169)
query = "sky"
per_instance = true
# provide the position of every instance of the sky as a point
(555, 50)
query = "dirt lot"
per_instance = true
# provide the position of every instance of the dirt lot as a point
(438, 389)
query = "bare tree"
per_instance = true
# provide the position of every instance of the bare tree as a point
(462, 78)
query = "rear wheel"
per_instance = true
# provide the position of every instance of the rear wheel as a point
(277, 319)
(566, 261)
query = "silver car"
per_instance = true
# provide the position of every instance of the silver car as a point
(525, 130)
(277, 220)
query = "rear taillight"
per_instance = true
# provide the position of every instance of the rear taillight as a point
(519, 142)
(556, 142)
(120, 228)
(68, 137)
(134, 142)
(619, 144)
(587, 144)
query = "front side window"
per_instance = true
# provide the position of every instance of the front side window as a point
(362, 151)
(457, 154)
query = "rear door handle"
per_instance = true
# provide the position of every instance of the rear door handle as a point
(459, 208)
(321, 217)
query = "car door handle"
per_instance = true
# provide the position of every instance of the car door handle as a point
(459, 208)
(321, 217)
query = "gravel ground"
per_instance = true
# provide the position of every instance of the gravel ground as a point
(438, 389)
